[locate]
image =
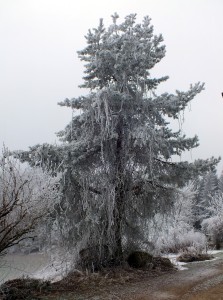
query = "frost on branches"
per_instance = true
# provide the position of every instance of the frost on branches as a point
(174, 232)
(210, 209)
(116, 152)
(26, 199)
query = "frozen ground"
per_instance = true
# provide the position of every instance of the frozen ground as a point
(36, 265)
(173, 258)
(39, 265)
(183, 266)
(196, 281)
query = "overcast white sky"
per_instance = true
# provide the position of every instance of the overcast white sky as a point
(39, 65)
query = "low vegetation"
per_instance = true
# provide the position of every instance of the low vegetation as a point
(144, 266)
(23, 289)
(191, 257)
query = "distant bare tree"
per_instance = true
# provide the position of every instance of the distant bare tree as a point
(26, 196)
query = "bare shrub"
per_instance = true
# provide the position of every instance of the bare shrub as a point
(26, 196)
(139, 259)
(174, 232)
(23, 288)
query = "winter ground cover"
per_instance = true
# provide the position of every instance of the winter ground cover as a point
(192, 283)
(39, 265)
(15, 265)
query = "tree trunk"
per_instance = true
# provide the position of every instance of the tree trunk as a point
(119, 196)
(118, 217)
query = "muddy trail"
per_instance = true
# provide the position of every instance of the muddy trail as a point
(201, 281)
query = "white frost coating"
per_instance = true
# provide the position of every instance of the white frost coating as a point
(55, 269)
(174, 232)
(27, 196)
(179, 265)
(117, 154)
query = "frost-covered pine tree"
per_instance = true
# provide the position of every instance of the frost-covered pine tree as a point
(208, 188)
(220, 182)
(116, 152)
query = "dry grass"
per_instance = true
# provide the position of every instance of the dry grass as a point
(113, 276)
(90, 284)
(190, 257)
(23, 289)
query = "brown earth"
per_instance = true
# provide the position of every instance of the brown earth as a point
(201, 281)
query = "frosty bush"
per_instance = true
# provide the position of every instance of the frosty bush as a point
(174, 232)
(177, 241)
(26, 197)
(212, 225)
(213, 228)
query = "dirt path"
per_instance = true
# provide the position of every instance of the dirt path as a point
(201, 281)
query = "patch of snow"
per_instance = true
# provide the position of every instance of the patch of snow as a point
(53, 271)
(49, 272)
(214, 251)
(173, 258)
(179, 265)
(37, 265)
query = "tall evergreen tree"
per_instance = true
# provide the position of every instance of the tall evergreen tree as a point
(116, 153)
(207, 188)
(220, 182)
